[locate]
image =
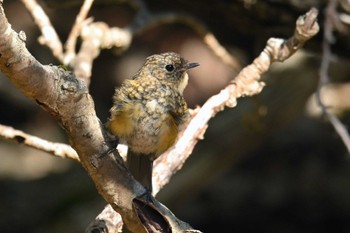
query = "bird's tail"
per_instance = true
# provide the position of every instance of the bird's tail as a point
(141, 168)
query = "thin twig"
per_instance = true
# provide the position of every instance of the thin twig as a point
(328, 39)
(97, 36)
(57, 149)
(78, 25)
(49, 36)
(144, 20)
(198, 27)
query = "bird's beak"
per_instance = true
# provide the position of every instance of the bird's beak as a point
(191, 65)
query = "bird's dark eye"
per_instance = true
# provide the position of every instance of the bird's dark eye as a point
(170, 67)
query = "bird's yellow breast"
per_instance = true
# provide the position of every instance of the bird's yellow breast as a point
(147, 128)
(167, 135)
(124, 119)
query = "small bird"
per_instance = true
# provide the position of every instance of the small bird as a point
(148, 110)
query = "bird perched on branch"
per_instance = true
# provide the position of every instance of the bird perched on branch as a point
(148, 110)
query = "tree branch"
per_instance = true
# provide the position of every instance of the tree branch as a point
(57, 149)
(202, 31)
(97, 36)
(49, 36)
(246, 83)
(331, 22)
(67, 99)
(75, 32)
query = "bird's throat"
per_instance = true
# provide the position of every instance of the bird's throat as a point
(183, 83)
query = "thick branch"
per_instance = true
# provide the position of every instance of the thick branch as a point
(67, 99)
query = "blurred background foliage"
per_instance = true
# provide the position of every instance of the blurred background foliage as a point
(267, 165)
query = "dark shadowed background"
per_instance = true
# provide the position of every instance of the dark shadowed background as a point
(268, 165)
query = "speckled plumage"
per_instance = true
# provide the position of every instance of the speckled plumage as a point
(149, 108)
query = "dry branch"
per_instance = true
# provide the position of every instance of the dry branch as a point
(330, 23)
(199, 28)
(75, 32)
(67, 99)
(49, 36)
(97, 36)
(246, 83)
(57, 149)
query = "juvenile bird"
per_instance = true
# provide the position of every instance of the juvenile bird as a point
(148, 110)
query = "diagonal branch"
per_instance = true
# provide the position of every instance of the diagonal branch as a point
(246, 83)
(67, 99)
(75, 32)
(49, 36)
